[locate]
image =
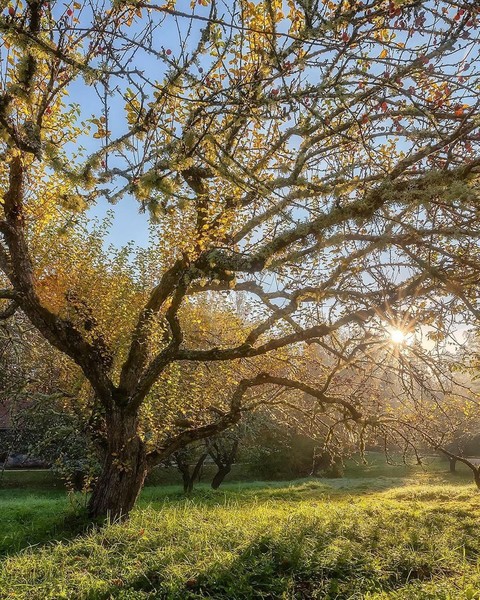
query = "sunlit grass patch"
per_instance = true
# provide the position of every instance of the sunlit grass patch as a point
(308, 539)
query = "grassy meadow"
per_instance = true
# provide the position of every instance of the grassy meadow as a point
(382, 532)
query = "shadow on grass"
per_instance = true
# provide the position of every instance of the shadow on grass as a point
(292, 562)
(35, 517)
(265, 568)
(32, 517)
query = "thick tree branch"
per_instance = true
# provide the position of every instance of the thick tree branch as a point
(134, 366)
(59, 332)
(404, 191)
(412, 287)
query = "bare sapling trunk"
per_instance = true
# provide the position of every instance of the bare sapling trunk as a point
(123, 471)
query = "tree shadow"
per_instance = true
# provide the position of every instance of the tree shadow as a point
(36, 519)
(264, 568)
(287, 563)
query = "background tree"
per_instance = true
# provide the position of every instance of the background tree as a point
(47, 408)
(223, 450)
(189, 461)
(439, 408)
(321, 157)
(279, 451)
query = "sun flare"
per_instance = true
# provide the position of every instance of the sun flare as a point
(397, 336)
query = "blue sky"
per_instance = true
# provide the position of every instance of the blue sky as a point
(128, 224)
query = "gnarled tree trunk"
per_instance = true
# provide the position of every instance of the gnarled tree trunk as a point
(124, 468)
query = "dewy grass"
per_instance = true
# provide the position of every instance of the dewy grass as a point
(371, 539)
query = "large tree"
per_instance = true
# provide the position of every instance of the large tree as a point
(320, 158)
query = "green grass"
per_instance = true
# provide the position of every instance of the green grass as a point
(406, 534)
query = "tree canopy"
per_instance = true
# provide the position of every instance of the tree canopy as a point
(316, 160)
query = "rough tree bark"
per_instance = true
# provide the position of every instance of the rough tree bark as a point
(124, 468)
(126, 461)
(216, 259)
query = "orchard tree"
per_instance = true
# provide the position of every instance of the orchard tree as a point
(319, 160)
(438, 407)
(45, 404)
(186, 458)
(223, 450)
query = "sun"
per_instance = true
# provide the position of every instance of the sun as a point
(397, 336)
